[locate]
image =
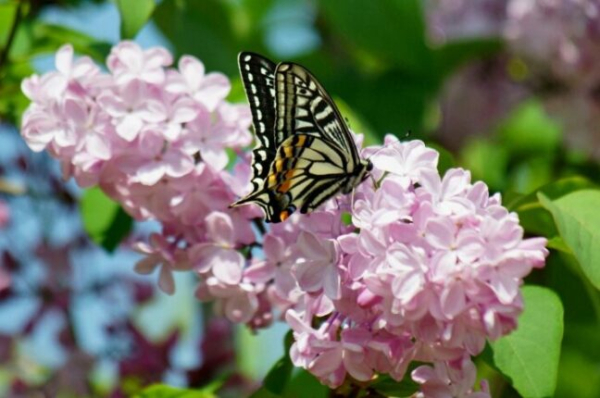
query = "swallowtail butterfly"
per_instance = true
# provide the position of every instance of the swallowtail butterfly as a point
(305, 153)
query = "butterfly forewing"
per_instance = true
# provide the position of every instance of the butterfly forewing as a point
(258, 77)
(304, 107)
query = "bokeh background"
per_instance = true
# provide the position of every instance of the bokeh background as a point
(509, 89)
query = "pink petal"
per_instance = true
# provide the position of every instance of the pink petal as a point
(326, 363)
(241, 308)
(309, 276)
(220, 228)
(64, 59)
(453, 300)
(147, 265)
(177, 164)
(150, 173)
(213, 90)
(192, 70)
(228, 265)
(273, 247)
(440, 233)
(166, 283)
(129, 127)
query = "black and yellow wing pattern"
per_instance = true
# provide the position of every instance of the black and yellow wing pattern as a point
(315, 156)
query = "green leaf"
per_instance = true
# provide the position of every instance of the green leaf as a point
(47, 38)
(392, 30)
(134, 15)
(454, 54)
(357, 124)
(278, 377)
(8, 13)
(200, 28)
(530, 131)
(392, 388)
(164, 391)
(530, 355)
(401, 100)
(578, 375)
(304, 384)
(578, 221)
(487, 161)
(103, 219)
(553, 191)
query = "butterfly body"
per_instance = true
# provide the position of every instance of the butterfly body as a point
(305, 152)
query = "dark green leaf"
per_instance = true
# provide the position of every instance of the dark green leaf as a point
(303, 384)
(393, 103)
(392, 388)
(202, 29)
(393, 30)
(454, 54)
(278, 377)
(134, 15)
(578, 221)
(104, 220)
(529, 356)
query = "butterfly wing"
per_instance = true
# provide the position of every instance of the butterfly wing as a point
(307, 170)
(258, 77)
(304, 107)
(306, 153)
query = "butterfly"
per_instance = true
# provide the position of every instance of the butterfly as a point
(305, 153)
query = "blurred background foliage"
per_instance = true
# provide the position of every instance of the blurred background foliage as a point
(405, 67)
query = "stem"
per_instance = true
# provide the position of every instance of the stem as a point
(11, 35)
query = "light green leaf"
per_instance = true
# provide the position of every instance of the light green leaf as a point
(530, 355)
(578, 221)
(103, 219)
(8, 13)
(164, 391)
(134, 15)
(553, 191)
(530, 131)
(487, 161)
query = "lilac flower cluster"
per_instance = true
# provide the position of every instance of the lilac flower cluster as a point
(430, 268)
(153, 138)
(411, 266)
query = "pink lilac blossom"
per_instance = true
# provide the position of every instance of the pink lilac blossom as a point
(428, 268)
(462, 19)
(559, 42)
(153, 138)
